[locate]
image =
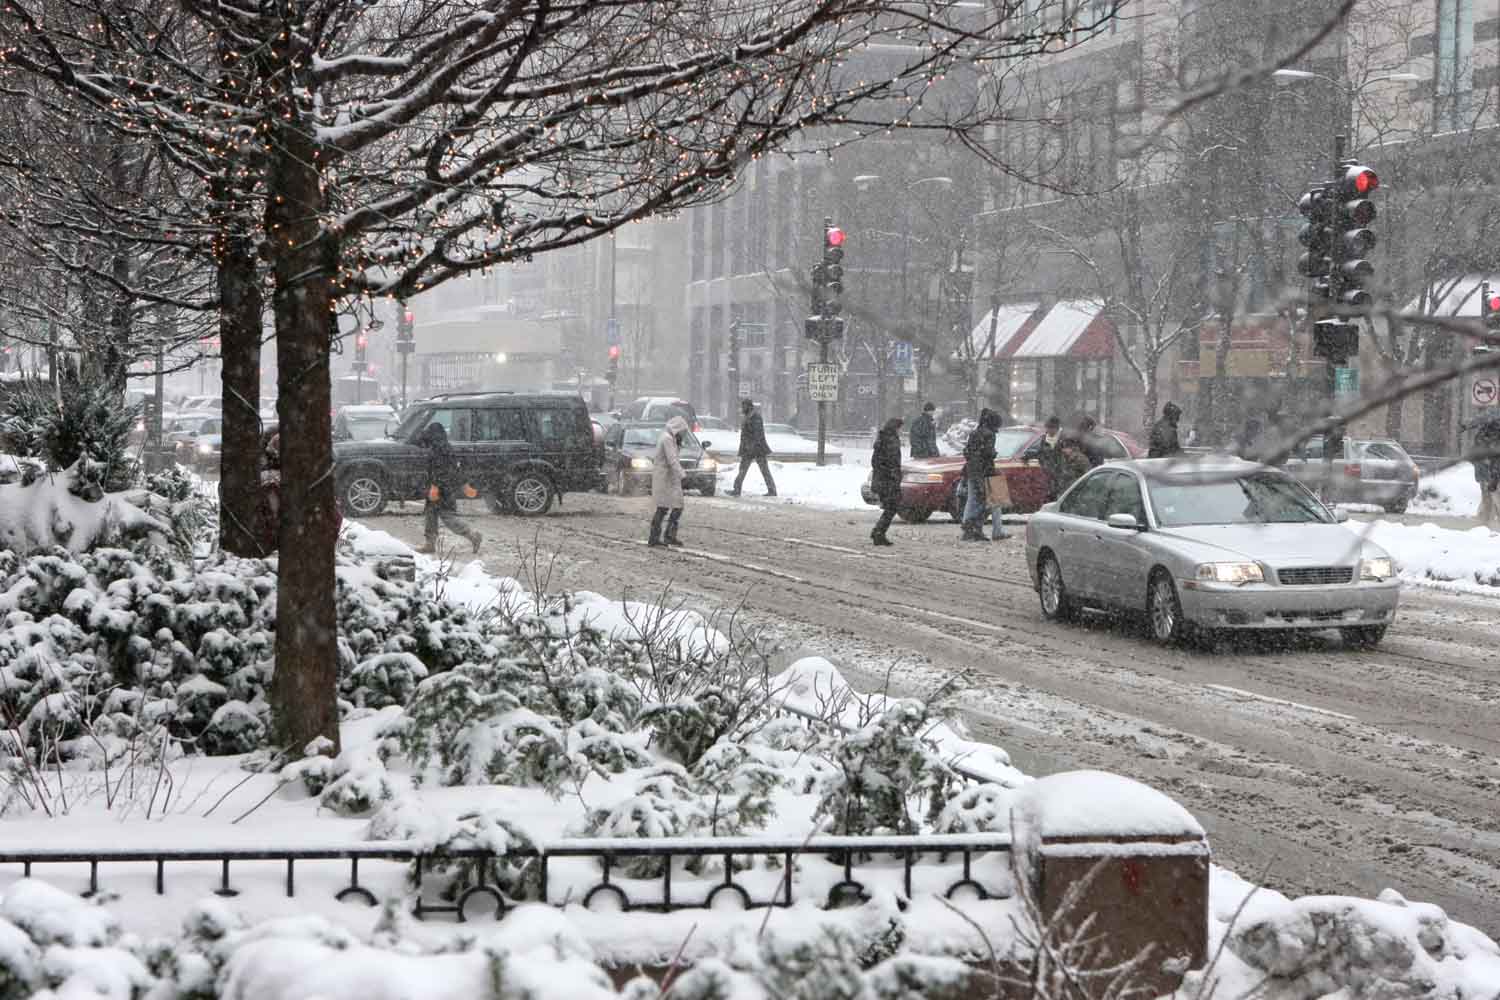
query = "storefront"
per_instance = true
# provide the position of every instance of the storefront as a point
(1062, 362)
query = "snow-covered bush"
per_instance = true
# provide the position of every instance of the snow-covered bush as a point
(81, 418)
(884, 771)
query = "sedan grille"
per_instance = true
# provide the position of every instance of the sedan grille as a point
(1312, 576)
(690, 463)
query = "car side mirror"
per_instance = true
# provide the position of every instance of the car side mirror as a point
(706, 444)
(1125, 522)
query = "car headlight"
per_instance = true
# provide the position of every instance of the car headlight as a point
(922, 477)
(205, 448)
(1231, 572)
(1376, 569)
(640, 463)
(709, 465)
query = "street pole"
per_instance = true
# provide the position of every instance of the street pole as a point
(823, 354)
(1333, 441)
(404, 356)
(613, 323)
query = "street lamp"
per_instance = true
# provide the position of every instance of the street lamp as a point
(1346, 92)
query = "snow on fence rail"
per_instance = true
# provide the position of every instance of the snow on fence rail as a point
(889, 862)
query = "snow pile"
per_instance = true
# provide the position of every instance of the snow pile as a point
(1319, 946)
(1428, 555)
(1452, 491)
(725, 445)
(50, 512)
(827, 487)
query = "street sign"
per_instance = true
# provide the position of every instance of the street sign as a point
(901, 358)
(1485, 391)
(1346, 381)
(405, 346)
(823, 382)
(612, 333)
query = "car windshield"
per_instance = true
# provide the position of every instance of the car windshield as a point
(641, 436)
(1256, 498)
(1010, 440)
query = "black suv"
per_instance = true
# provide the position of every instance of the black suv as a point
(518, 449)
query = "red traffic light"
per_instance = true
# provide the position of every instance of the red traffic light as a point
(834, 236)
(409, 317)
(362, 341)
(1494, 306)
(1359, 180)
(614, 352)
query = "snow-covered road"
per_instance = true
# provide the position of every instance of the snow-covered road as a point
(1325, 769)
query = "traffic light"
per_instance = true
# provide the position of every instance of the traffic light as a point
(405, 324)
(825, 323)
(833, 271)
(1489, 315)
(614, 363)
(734, 349)
(361, 344)
(1317, 236)
(1353, 240)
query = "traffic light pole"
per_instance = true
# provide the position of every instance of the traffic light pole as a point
(404, 356)
(822, 403)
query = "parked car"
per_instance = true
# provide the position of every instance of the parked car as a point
(629, 448)
(1208, 545)
(659, 409)
(715, 424)
(1377, 472)
(932, 484)
(204, 404)
(519, 450)
(363, 422)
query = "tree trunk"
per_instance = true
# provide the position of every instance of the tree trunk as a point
(240, 308)
(304, 690)
(1148, 384)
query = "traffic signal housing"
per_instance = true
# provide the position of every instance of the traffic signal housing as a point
(1317, 236)
(361, 346)
(1353, 240)
(1489, 315)
(613, 372)
(825, 323)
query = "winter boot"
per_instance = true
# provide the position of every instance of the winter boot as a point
(672, 519)
(880, 539)
(655, 540)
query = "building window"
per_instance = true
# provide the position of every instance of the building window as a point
(1454, 64)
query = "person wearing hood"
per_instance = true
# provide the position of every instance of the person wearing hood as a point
(1164, 440)
(666, 482)
(885, 477)
(443, 485)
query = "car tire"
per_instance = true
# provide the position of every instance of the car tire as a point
(530, 494)
(1363, 636)
(1396, 506)
(1057, 603)
(363, 494)
(912, 516)
(710, 489)
(1164, 611)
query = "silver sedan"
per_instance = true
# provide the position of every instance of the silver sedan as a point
(1200, 546)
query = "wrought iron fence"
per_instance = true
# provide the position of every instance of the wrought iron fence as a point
(851, 860)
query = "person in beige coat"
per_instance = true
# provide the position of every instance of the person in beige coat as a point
(666, 482)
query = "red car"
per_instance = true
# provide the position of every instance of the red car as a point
(931, 484)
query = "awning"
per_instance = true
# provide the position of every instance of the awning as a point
(1076, 329)
(1012, 324)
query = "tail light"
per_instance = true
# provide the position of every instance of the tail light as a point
(1352, 470)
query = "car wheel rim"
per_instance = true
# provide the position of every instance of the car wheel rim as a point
(1051, 587)
(1163, 616)
(531, 495)
(363, 495)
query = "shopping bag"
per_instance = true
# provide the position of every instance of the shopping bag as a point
(433, 493)
(470, 492)
(997, 491)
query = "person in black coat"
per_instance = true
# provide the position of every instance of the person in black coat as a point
(1164, 441)
(885, 477)
(1088, 440)
(753, 448)
(924, 434)
(1049, 456)
(979, 465)
(443, 486)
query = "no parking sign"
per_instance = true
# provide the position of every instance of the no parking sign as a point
(1485, 391)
